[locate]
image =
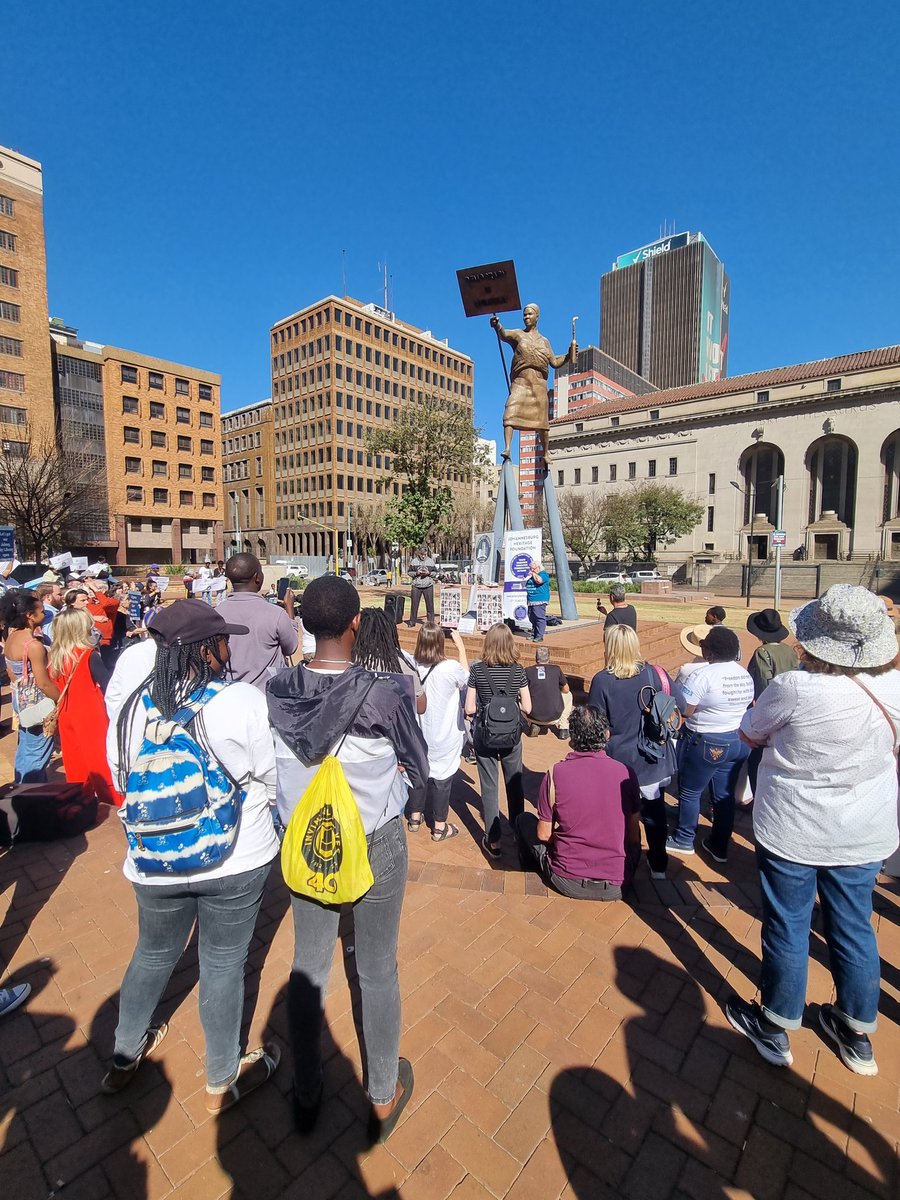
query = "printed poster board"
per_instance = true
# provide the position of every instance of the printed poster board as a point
(488, 607)
(451, 607)
(520, 549)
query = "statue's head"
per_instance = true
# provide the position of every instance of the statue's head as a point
(531, 314)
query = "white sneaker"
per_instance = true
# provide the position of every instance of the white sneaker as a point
(12, 997)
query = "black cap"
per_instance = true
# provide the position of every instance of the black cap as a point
(188, 621)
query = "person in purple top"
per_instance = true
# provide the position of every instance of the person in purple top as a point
(586, 837)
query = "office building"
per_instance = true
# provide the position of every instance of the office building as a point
(594, 379)
(248, 479)
(26, 383)
(830, 428)
(664, 312)
(149, 432)
(342, 369)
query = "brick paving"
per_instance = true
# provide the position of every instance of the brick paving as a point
(561, 1049)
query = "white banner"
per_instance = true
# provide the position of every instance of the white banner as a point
(521, 548)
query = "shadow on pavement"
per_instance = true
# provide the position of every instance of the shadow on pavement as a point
(668, 1131)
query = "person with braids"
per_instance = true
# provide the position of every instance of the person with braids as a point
(21, 617)
(222, 900)
(586, 837)
(81, 676)
(377, 648)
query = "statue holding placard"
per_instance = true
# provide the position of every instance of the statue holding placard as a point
(526, 406)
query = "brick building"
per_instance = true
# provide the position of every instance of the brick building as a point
(248, 479)
(26, 385)
(151, 431)
(340, 370)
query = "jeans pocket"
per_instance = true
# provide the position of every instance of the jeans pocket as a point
(387, 851)
(715, 752)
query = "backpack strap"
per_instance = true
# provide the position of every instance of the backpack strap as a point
(884, 712)
(663, 678)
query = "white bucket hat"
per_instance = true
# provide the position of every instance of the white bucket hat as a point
(847, 626)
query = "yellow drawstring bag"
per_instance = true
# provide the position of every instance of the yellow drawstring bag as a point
(324, 855)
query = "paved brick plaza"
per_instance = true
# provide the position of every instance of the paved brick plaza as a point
(560, 1049)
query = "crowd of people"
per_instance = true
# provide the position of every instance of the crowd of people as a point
(814, 725)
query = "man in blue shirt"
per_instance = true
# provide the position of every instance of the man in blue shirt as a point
(537, 587)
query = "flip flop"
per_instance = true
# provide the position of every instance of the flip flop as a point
(444, 835)
(413, 825)
(255, 1069)
(491, 851)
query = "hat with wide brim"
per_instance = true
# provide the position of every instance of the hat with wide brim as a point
(691, 637)
(847, 626)
(189, 621)
(767, 625)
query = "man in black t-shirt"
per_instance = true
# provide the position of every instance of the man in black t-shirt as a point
(620, 613)
(551, 699)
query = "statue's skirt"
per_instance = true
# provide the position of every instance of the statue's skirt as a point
(527, 406)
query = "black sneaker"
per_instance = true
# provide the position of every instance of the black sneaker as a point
(720, 858)
(772, 1043)
(855, 1049)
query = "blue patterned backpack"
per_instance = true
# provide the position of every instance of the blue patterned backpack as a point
(181, 807)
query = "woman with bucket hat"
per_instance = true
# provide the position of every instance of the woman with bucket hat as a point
(825, 819)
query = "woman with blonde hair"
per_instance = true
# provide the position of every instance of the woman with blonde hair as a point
(616, 691)
(442, 728)
(496, 676)
(80, 674)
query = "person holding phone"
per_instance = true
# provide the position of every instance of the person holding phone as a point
(271, 637)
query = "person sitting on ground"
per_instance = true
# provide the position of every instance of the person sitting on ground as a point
(617, 691)
(223, 900)
(691, 637)
(442, 727)
(710, 750)
(824, 820)
(715, 615)
(551, 699)
(383, 755)
(586, 837)
(377, 648)
(271, 637)
(621, 612)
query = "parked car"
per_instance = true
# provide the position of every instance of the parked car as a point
(377, 579)
(610, 577)
(645, 576)
(347, 573)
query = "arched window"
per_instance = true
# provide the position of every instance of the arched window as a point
(760, 467)
(831, 462)
(890, 459)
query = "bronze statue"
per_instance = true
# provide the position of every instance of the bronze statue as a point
(526, 406)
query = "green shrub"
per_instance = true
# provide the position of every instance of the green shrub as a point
(582, 585)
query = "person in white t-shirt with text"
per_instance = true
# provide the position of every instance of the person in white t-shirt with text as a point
(710, 748)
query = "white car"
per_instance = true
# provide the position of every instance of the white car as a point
(610, 577)
(646, 576)
(377, 579)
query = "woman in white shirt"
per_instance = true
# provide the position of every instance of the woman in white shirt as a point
(442, 726)
(710, 748)
(224, 899)
(825, 818)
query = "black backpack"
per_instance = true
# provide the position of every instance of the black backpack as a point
(498, 724)
(662, 718)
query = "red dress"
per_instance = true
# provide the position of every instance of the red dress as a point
(82, 729)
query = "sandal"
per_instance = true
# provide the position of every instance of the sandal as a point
(491, 851)
(121, 1074)
(381, 1128)
(413, 825)
(255, 1069)
(444, 835)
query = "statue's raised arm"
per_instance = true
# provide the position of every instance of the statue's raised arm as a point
(526, 406)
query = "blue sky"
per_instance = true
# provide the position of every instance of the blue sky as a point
(205, 165)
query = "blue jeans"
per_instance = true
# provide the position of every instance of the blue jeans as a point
(33, 752)
(714, 760)
(225, 911)
(376, 926)
(845, 898)
(537, 615)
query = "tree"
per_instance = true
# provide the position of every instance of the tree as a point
(431, 446)
(647, 517)
(44, 493)
(367, 523)
(583, 519)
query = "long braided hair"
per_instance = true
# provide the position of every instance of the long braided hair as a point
(179, 673)
(377, 646)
